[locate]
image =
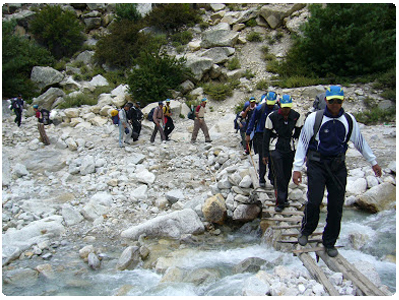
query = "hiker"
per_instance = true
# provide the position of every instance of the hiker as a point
(137, 118)
(282, 129)
(257, 124)
(169, 126)
(158, 119)
(246, 115)
(123, 123)
(39, 115)
(324, 148)
(199, 122)
(17, 105)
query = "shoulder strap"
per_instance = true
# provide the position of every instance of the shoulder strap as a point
(350, 122)
(317, 124)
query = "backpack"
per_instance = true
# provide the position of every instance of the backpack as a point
(191, 114)
(319, 103)
(236, 121)
(115, 116)
(150, 116)
(319, 118)
(16, 104)
(45, 117)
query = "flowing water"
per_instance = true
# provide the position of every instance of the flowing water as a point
(365, 237)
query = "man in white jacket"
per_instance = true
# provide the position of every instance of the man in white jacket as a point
(325, 148)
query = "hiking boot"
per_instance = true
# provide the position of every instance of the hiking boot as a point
(208, 141)
(303, 240)
(279, 208)
(331, 251)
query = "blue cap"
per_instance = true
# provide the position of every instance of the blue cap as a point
(286, 101)
(252, 99)
(204, 100)
(271, 98)
(334, 92)
(35, 106)
(167, 100)
(160, 103)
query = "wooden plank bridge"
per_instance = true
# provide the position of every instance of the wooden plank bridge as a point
(282, 231)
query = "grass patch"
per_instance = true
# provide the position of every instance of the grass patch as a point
(254, 37)
(298, 81)
(376, 115)
(218, 91)
(239, 106)
(248, 74)
(233, 64)
(262, 85)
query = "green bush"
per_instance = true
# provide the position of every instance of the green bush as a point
(57, 30)
(77, 101)
(252, 23)
(262, 85)
(345, 39)
(248, 74)
(19, 57)
(127, 11)
(124, 44)
(218, 91)
(155, 76)
(172, 17)
(254, 37)
(233, 64)
(182, 38)
(239, 106)
(376, 115)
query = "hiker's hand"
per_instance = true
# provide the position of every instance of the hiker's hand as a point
(297, 177)
(377, 170)
(247, 139)
(265, 160)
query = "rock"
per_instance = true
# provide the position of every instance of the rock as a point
(371, 181)
(357, 187)
(219, 36)
(246, 212)
(199, 66)
(172, 225)
(71, 216)
(5, 168)
(86, 57)
(219, 54)
(129, 258)
(46, 271)
(274, 14)
(21, 277)
(378, 198)
(253, 286)
(93, 261)
(250, 264)
(145, 176)
(366, 267)
(88, 165)
(139, 193)
(214, 209)
(174, 195)
(246, 182)
(45, 76)
(85, 251)
(47, 99)
(99, 204)
(99, 80)
(20, 170)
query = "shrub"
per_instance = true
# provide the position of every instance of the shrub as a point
(254, 37)
(218, 91)
(376, 115)
(233, 64)
(155, 77)
(127, 11)
(239, 106)
(124, 44)
(172, 17)
(182, 38)
(252, 23)
(77, 101)
(248, 74)
(19, 57)
(262, 85)
(58, 30)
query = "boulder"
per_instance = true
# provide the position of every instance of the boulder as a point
(45, 76)
(174, 195)
(199, 66)
(274, 14)
(246, 212)
(43, 160)
(219, 36)
(71, 215)
(219, 55)
(47, 99)
(214, 209)
(172, 225)
(129, 258)
(98, 205)
(99, 80)
(378, 198)
(85, 57)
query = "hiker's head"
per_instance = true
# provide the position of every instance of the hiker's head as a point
(19, 95)
(286, 104)
(167, 102)
(35, 107)
(334, 99)
(160, 103)
(137, 104)
(204, 101)
(252, 101)
(271, 98)
(126, 107)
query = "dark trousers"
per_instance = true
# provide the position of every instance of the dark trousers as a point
(154, 133)
(258, 143)
(281, 164)
(18, 114)
(169, 126)
(136, 129)
(318, 179)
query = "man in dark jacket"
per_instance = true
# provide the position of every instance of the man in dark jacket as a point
(257, 124)
(282, 129)
(17, 105)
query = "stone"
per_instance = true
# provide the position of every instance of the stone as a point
(99, 80)
(99, 204)
(93, 261)
(250, 264)
(145, 176)
(174, 195)
(378, 198)
(172, 225)
(246, 212)
(246, 182)
(71, 215)
(357, 187)
(20, 170)
(85, 251)
(129, 258)
(45, 76)
(219, 54)
(214, 209)
(219, 36)
(47, 99)
(255, 287)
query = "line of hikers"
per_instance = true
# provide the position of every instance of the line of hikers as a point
(284, 140)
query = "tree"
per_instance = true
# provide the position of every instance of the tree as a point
(156, 76)
(58, 30)
(19, 57)
(345, 39)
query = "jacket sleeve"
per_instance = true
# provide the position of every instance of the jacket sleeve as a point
(303, 142)
(266, 136)
(251, 124)
(298, 126)
(361, 144)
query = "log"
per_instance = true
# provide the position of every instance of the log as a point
(293, 220)
(315, 249)
(296, 234)
(317, 274)
(296, 241)
(340, 264)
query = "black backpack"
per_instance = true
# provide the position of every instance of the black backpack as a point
(191, 114)
(150, 116)
(45, 117)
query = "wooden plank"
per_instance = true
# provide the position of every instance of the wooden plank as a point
(284, 212)
(340, 264)
(317, 274)
(306, 250)
(296, 205)
(296, 234)
(296, 241)
(293, 219)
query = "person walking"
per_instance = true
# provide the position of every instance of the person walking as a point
(323, 142)
(123, 123)
(245, 116)
(137, 118)
(199, 122)
(43, 136)
(17, 105)
(282, 129)
(169, 126)
(257, 124)
(158, 119)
